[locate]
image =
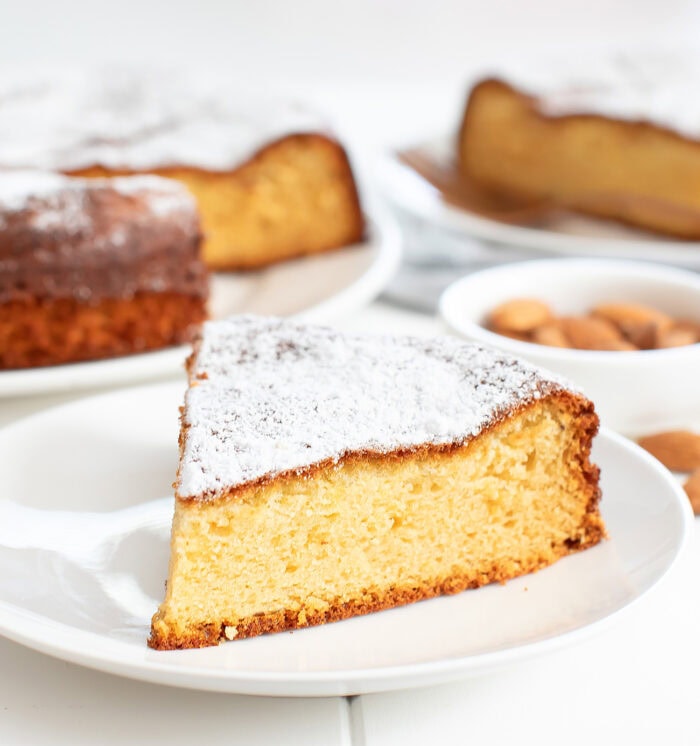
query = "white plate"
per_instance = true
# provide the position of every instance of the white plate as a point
(318, 288)
(567, 234)
(81, 583)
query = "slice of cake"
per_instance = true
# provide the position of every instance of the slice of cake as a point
(96, 268)
(270, 180)
(324, 476)
(619, 139)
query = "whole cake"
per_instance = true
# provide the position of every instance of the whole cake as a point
(95, 268)
(270, 181)
(619, 139)
(324, 476)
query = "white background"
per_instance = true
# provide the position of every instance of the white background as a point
(386, 70)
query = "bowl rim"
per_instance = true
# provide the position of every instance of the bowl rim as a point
(632, 270)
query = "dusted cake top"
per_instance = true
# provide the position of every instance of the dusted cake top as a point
(272, 396)
(59, 198)
(94, 238)
(657, 88)
(127, 119)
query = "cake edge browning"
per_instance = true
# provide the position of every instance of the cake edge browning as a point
(591, 529)
(44, 332)
(288, 620)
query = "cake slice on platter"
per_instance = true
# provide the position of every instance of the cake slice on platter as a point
(324, 476)
(616, 138)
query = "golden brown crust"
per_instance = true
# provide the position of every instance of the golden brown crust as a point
(647, 202)
(36, 332)
(248, 223)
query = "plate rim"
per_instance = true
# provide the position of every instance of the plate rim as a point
(125, 659)
(408, 190)
(383, 234)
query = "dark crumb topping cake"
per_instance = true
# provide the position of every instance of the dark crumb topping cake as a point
(90, 239)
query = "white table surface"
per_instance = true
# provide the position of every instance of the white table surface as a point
(636, 682)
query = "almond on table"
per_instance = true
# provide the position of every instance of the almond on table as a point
(678, 450)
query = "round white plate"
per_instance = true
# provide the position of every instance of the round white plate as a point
(317, 288)
(567, 234)
(81, 583)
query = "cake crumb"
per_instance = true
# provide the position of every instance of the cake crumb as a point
(230, 632)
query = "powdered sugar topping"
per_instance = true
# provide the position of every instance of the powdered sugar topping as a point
(18, 187)
(654, 87)
(58, 201)
(272, 397)
(164, 196)
(134, 119)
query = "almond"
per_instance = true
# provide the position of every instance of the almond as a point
(588, 333)
(519, 315)
(692, 488)
(642, 335)
(609, 326)
(678, 450)
(677, 336)
(520, 336)
(690, 324)
(632, 313)
(550, 333)
(621, 345)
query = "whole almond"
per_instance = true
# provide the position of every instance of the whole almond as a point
(550, 333)
(689, 324)
(632, 313)
(643, 335)
(519, 315)
(678, 450)
(520, 336)
(588, 333)
(621, 345)
(609, 326)
(692, 488)
(677, 336)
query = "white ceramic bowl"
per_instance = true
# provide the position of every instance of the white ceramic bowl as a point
(634, 392)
